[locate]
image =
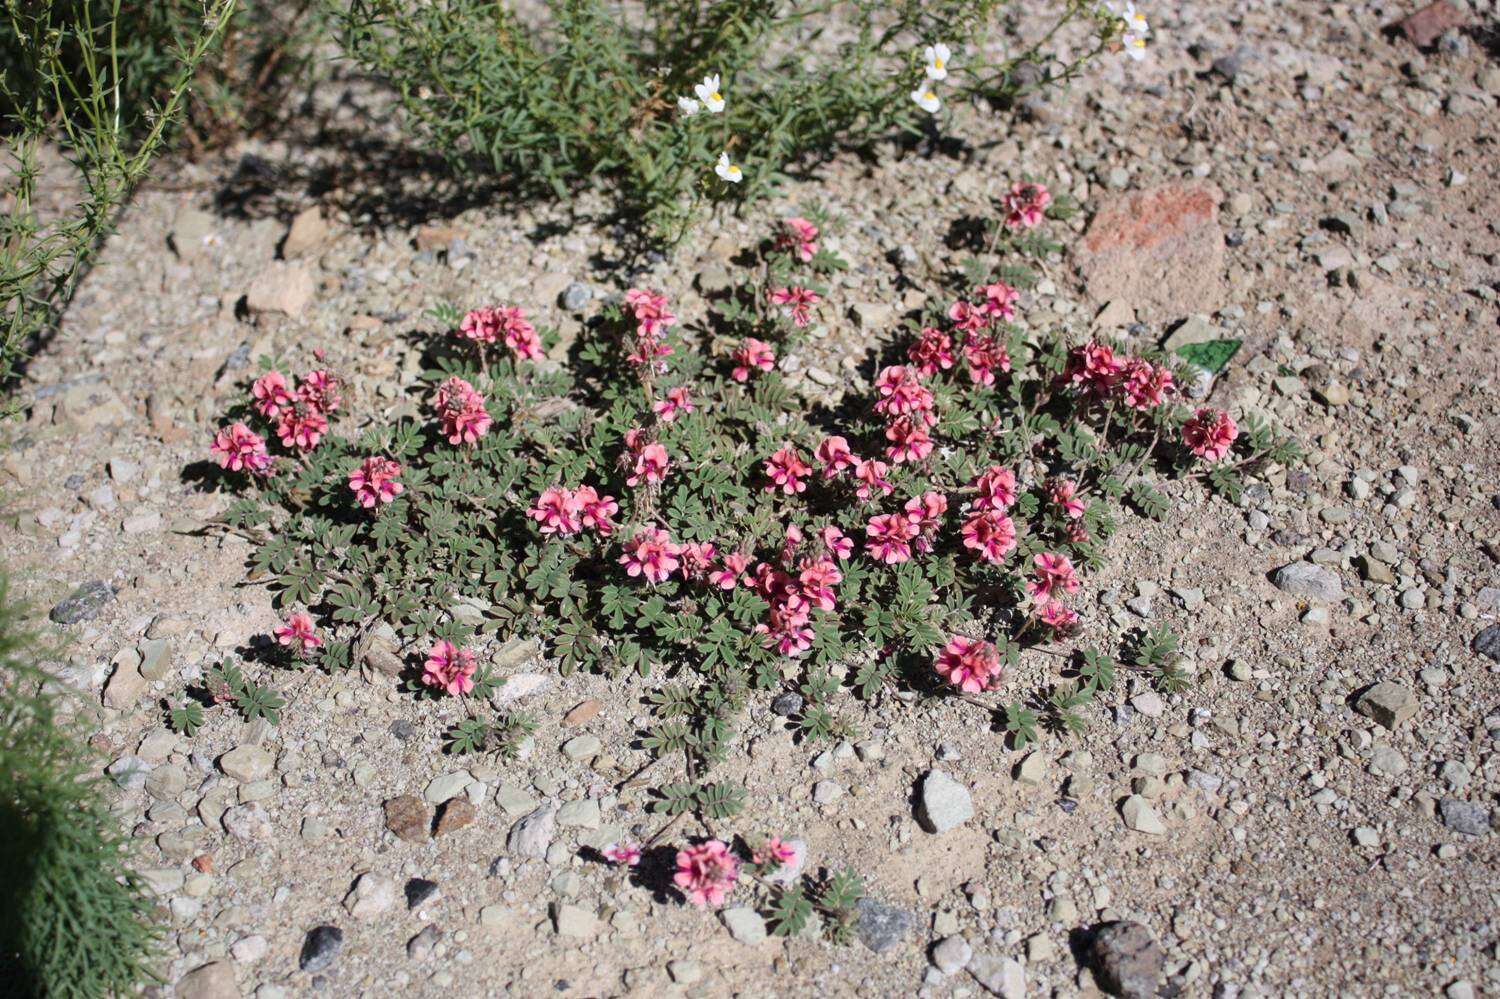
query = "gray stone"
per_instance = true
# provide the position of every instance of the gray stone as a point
(531, 836)
(125, 686)
(247, 763)
(1193, 329)
(1033, 769)
(192, 233)
(1312, 582)
(320, 948)
(744, 924)
(371, 895)
(84, 603)
(419, 947)
(214, 980)
(1487, 642)
(582, 814)
(945, 804)
(449, 785)
(786, 704)
(1141, 817)
(248, 822)
(1389, 704)
(1126, 960)
(576, 295)
(1001, 976)
(420, 891)
(879, 926)
(952, 955)
(1467, 817)
(574, 921)
(156, 658)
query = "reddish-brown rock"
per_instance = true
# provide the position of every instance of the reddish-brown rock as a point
(1160, 251)
(455, 814)
(582, 712)
(408, 818)
(1428, 24)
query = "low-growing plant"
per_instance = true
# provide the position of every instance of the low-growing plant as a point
(671, 508)
(682, 102)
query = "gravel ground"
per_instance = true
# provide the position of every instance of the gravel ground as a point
(1313, 816)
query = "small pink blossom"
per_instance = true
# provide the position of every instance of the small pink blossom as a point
(1210, 433)
(559, 512)
(994, 488)
(733, 572)
(238, 448)
(450, 667)
(797, 301)
(1054, 574)
(706, 873)
(651, 553)
(1025, 204)
(1092, 369)
(519, 334)
(835, 456)
(752, 355)
(931, 352)
(1061, 619)
(787, 470)
(596, 510)
(984, 355)
(298, 633)
(785, 628)
(837, 542)
(376, 481)
(301, 426)
(889, 537)
(800, 236)
(697, 557)
(901, 392)
(817, 580)
(968, 317)
(999, 300)
(320, 392)
(461, 412)
(650, 462)
(650, 310)
(272, 394)
(969, 664)
(909, 439)
(481, 326)
(1145, 386)
(1063, 492)
(678, 400)
(989, 534)
(625, 853)
(775, 853)
(926, 512)
(871, 478)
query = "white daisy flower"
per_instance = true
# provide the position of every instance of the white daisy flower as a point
(926, 98)
(687, 106)
(728, 171)
(1135, 22)
(937, 61)
(708, 93)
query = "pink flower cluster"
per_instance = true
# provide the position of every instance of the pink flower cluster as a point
(376, 481)
(892, 537)
(1095, 372)
(797, 587)
(299, 413)
(678, 400)
(983, 350)
(565, 512)
(508, 324)
(970, 664)
(450, 668)
(1052, 578)
(797, 301)
(298, 633)
(1210, 433)
(237, 448)
(750, 356)
(646, 459)
(988, 532)
(652, 320)
(786, 470)
(707, 872)
(461, 412)
(1025, 204)
(799, 236)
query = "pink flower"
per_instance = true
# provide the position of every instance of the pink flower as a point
(901, 393)
(926, 512)
(300, 426)
(1210, 433)
(983, 356)
(1145, 386)
(271, 393)
(238, 448)
(835, 455)
(298, 631)
(677, 401)
(1062, 620)
(995, 488)
(596, 510)
(626, 853)
(449, 667)
(871, 477)
(733, 572)
(481, 325)
(1092, 369)
(931, 352)
(837, 543)
(558, 511)
(817, 580)
(909, 440)
(797, 301)
(1064, 493)
(969, 664)
(785, 628)
(775, 853)
(461, 412)
(1025, 204)
(1054, 574)
(651, 553)
(999, 300)
(375, 481)
(650, 309)
(752, 355)
(706, 873)
(320, 392)
(968, 317)
(787, 470)
(697, 556)
(990, 535)
(519, 335)
(651, 460)
(800, 236)
(889, 537)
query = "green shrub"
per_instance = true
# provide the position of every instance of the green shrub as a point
(592, 90)
(77, 920)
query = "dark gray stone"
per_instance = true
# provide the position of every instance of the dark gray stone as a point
(420, 891)
(83, 603)
(1465, 817)
(786, 704)
(320, 948)
(879, 926)
(1487, 642)
(1125, 958)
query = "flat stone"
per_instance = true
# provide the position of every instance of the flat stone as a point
(952, 955)
(282, 288)
(574, 921)
(156, 658)
(192, 233)
(1140, 816)
(1125, 959)
(531, 836)
(371, 895)
(308, 231)
(582, 747)
(214, 980)
(744, 924)
(247, 763)
(1427, 25)
(1193, 329)
(879, 926)
(1159, 251)
(1001, 976)
(1467, 817)
(453, 816)
(408, 818)
(585, 711)
(1388, 703)
(944, 804)
(1033, 769)
(125, 686)
(420, 947)
(249, 823)
(514, 800)
(84, 603)
(582, 814)
(320, 948)
(449, 785)
(1313, 582)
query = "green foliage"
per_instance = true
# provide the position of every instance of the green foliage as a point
(590, 90)
(1210, 355)
(227, 682)
(1157, 655)
(77, 919)
(87, 76)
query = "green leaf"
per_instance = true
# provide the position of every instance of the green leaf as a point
(1210, 355)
